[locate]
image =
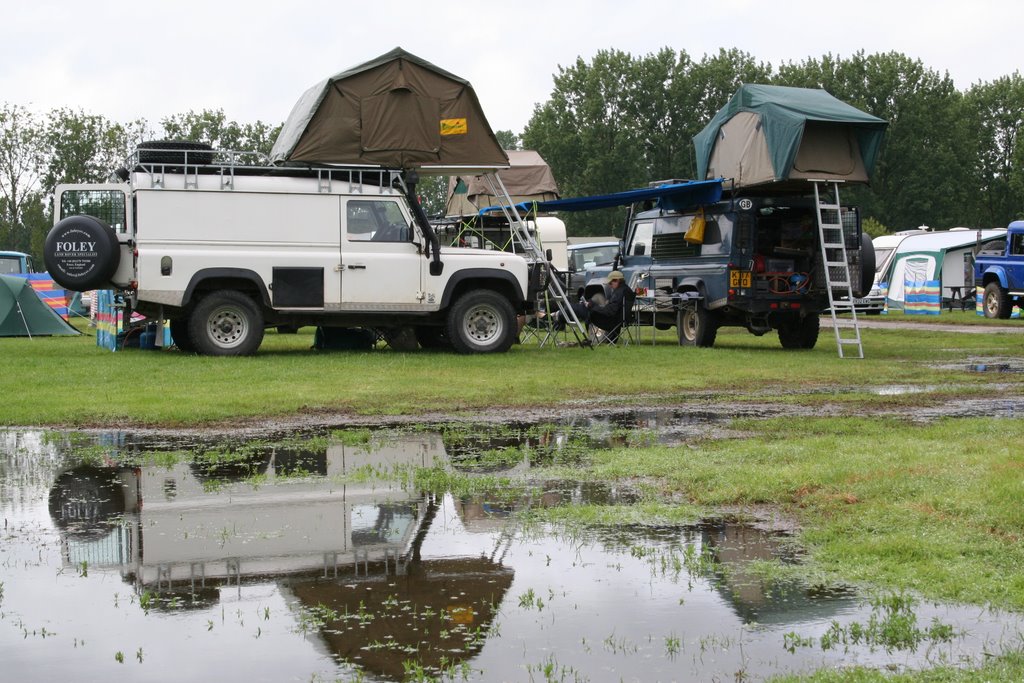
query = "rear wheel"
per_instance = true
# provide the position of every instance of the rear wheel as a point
(481, 321)
(996, 301)
(698, 327)
(226, 323)
(800, 333)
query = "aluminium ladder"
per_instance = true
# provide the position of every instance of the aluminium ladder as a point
(836, 266)
(555, 290)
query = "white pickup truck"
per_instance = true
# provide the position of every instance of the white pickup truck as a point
(222, 250)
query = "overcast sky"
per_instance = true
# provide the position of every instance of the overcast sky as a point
(253, 59)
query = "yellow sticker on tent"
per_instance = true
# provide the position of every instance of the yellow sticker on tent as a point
(454, 127)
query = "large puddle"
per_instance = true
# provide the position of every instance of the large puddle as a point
(312, 557)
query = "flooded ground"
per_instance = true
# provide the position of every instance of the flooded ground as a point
(310, 556)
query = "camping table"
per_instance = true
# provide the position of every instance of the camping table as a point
(648, 306)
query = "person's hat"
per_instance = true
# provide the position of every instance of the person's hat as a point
(615, 275)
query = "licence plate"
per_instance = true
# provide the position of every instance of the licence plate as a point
(739, 278)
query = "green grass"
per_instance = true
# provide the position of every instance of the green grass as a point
(936, 508)
(69, 381)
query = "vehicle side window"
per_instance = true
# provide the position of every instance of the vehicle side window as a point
(1017, 244)
(377, 220)
(717, 236)
(642, 235)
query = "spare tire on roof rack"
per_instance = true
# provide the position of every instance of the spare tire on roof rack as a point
(175, 152)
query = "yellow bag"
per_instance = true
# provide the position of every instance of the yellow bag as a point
(695, 235)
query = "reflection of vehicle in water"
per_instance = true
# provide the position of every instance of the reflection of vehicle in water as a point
(262, 515)
(339, 531)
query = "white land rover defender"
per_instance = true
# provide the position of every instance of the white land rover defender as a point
(223, 250)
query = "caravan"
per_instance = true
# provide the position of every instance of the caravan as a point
(943, 257)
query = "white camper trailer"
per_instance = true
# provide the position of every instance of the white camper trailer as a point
(945, 255)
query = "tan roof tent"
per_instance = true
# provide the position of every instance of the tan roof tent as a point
(772, 134)
(528, 179)
(395, 111)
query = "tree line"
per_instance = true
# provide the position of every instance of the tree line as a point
(949, 158)
(616, 122)
(40, 151)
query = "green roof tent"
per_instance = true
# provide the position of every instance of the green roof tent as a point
(23, 313)
(770, 134)
(395, 111)
(527, 179)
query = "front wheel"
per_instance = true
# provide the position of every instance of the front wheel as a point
(996, 301)
(226, 323)
(800, 333)
(698, 327)
(481, 321)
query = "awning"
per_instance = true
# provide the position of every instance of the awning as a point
(671, 197)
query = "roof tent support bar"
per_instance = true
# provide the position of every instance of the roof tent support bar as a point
(537, 255)
(408, 182)
(836, 266)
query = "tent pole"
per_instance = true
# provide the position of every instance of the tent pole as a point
(23, 321)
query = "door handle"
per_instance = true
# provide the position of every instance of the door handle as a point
(356, 266)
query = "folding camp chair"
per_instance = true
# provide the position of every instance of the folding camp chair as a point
(622, 332)
(541, 327)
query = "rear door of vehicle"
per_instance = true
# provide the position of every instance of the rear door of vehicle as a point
(108, 202)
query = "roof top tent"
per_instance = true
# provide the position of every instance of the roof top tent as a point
(527, 179)
(947, 256)
(395, 111)
(781, 136)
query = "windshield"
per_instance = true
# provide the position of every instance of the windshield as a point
(882, 257)
(584, 258)
(9, 265)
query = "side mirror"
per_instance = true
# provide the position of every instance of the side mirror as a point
(436, 268)
(547, 255)
(639, 249)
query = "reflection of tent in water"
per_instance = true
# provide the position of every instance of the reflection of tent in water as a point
(23, 314)
(736, 546)
(436, 609)
(397, 111)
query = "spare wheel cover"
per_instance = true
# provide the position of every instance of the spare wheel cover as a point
(81, 253)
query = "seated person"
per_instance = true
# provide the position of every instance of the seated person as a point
(607, 313)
